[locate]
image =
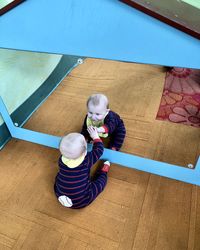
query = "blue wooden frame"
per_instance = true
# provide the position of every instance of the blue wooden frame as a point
(107, 29)
(154, 167)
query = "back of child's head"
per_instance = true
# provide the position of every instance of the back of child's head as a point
(98, 99)
(73, 145)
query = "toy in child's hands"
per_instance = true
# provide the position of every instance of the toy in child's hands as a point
(101, 130)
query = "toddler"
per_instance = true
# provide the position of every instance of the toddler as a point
(73, 186)
(107, 122)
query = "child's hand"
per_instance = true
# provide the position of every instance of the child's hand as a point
(93, 132)
(101, 130)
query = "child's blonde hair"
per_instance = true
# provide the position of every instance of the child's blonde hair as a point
(73, 145)
(98, 99)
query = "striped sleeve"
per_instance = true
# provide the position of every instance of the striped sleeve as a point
(96, 152)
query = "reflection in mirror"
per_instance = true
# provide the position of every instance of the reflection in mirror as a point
(159, 107)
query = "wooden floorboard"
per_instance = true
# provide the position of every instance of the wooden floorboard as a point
(136, 211)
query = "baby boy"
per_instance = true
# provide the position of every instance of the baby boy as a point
(73, 186)
(107, 122)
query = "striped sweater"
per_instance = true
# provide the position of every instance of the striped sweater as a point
(75, 182)
(114, 126)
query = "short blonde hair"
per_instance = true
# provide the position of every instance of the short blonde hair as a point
(73, 145)
(98, 99)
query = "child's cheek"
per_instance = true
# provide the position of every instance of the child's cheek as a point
(89, 115)
(100, 117)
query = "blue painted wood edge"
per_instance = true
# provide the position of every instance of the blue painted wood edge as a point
(6, 117)
(143, 164)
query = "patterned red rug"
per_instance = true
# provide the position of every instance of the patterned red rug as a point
(180, 102)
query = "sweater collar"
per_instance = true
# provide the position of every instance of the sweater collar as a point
(73, 163)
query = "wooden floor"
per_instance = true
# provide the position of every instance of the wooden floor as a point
(137, 210)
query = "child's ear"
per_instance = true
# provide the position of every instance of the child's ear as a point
(108, 110)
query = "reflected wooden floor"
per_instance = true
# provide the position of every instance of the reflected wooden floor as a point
(137, 210)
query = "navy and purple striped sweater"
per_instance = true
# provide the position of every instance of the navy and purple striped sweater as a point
(75, 182)
(114, 126)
